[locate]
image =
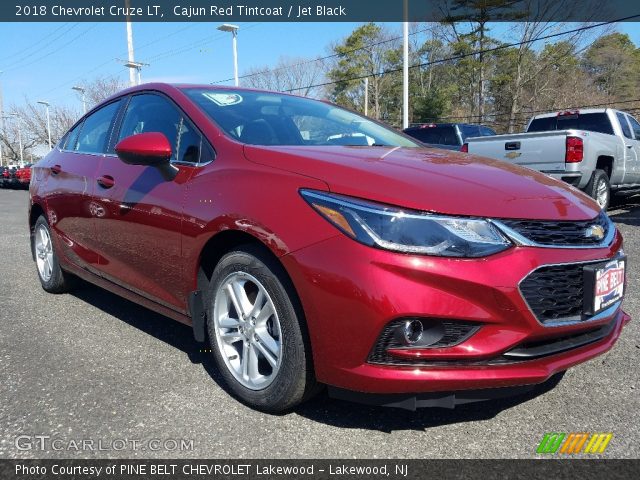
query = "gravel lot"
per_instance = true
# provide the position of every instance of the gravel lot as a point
(91, 365)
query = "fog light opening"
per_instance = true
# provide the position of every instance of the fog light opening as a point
(412, 331)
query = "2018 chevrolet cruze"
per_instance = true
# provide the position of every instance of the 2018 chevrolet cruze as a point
(314, 246)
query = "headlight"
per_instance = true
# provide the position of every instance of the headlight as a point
(408, 231)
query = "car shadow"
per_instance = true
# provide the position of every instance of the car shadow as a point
(322, 408)
(626, 211)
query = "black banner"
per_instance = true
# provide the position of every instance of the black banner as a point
(317, 10)
(318, 469)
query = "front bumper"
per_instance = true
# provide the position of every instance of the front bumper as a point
(350, 292)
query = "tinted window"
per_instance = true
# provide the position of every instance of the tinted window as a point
(440, 135)
(95, 129)
(592, 122)
(261, 118)
(487, 132)
(542, 124)
(469, 131)
(626, 131)
(635, 126)
(153, 113)
(71, 140)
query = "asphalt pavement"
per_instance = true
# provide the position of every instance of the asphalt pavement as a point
(90, 369)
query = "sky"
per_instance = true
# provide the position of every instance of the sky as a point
(42, 61)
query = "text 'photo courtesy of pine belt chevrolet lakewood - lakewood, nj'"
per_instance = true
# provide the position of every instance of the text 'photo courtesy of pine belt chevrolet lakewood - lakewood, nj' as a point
(312, 246)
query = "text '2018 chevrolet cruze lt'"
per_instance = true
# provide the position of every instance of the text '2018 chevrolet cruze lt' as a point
(313, 246)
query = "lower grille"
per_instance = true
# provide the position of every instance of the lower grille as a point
(555, 292)
(544, 348)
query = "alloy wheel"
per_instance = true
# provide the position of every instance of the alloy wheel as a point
(44, 253)
(602, 193)
(247, 330)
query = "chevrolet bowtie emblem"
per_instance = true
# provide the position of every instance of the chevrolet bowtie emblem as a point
(512, 155)
(595, 231)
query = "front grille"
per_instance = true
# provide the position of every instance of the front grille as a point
(555, 292)
(454, 333)
(560, 233)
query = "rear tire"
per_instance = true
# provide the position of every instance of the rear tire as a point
(599, 188)
(262, 351)
(52, 278)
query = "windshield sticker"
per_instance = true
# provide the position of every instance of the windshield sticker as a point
(224, 99)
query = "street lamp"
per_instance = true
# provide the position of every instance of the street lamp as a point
(46, 104)
(227, 27)
(84, 101)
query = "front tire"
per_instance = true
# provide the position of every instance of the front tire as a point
(52, 278)
(257, 331)
(599, 188)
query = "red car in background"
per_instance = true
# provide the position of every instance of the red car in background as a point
(23, 176)
(311, 245)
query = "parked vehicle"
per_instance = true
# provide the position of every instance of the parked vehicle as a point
(23, 176)
(448, 136)
(595, 150)
(8, 177)
(379, 269)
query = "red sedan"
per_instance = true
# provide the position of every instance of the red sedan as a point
(310, 246)
(23, 176)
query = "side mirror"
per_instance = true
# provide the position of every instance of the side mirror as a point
(151, 149)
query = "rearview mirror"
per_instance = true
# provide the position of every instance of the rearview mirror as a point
(151, 149)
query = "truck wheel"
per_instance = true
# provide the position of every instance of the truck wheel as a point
(599, 188)
(257, 332)
(52, 278)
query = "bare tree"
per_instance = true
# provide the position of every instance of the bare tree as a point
(100, 88)
(297, 75)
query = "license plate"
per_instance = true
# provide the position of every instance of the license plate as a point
(604, 285)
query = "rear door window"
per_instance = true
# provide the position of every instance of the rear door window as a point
(71, 140)
(95, 130)
(635, 126)
(626, 131)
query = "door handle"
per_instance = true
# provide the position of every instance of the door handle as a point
(106, 181)
(56, 169)
(629, 146)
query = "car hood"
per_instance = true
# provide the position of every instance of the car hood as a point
(432, 180)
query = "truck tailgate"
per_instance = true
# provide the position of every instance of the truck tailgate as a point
(542, 151)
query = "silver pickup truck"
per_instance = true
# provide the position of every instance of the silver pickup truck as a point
(595, 150)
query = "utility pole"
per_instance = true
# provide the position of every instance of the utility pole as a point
(405, 67)
(46, 104)
(131, 61)
(84, 100)
(366, 96)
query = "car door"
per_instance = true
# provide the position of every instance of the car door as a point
(139, 234)
(634, 170)
(70, 183)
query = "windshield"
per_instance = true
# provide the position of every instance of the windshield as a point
(262, 118)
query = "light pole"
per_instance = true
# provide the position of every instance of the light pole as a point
(227, 27)
(405, 67)
(84, 101)
(46, 104)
